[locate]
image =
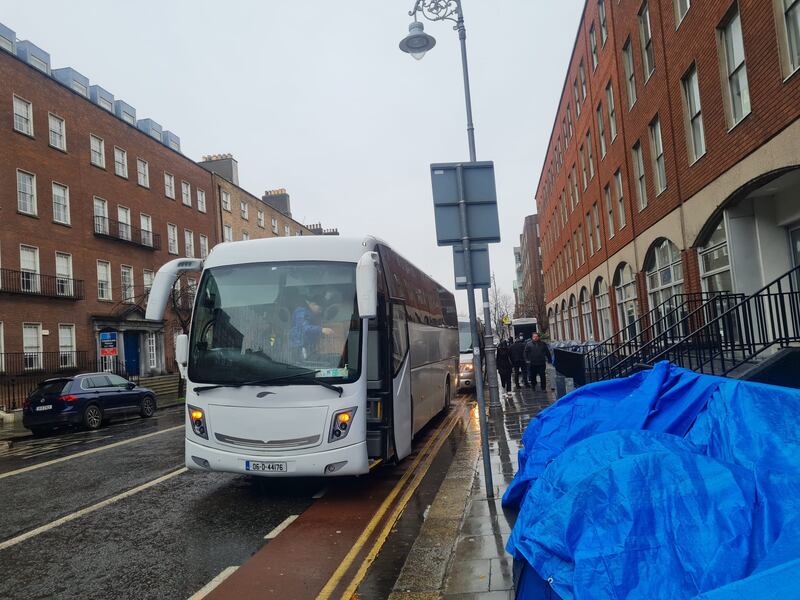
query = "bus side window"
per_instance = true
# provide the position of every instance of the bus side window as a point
(374, 362)
(399, 336)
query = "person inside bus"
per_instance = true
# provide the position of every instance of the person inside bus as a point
(537, 355)
(504, 365)
(517, 351)
(306, 329)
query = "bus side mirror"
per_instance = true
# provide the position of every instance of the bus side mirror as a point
(182, 353)
(367, 285)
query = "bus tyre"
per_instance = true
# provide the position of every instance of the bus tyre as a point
(92, 417)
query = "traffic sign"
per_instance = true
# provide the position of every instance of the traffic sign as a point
(474, 183)
(481, 271)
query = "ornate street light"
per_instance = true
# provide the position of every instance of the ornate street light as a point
(417, 42)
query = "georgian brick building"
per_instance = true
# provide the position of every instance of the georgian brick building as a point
(674, 162)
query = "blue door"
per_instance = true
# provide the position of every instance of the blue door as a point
(131, 353)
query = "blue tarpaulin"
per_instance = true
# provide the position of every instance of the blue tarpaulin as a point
(666, 484)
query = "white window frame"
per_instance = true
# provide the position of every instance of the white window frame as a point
(36, 361)
(203, 246)
(152, 351)
(127, 288)
(169, 185)
(142, 174)
(681, 8)
(590, 154)
(109, 296)
(657, 158)
(601, 131)
(260, 218)
(172, 238)
(186, 193)
(120, 166)
(695, 132)
(274, 225)
(64, 279)
(23, 120)
(97, 156)
(227, 233)
(612, 112)
(639, 175)
(188, 242)
(646, 36)
(787, 17)
(146, 229)
(602, 18)
(147, 280)
(66, 219)
(30, 197)
(62, 133)
(630, 73)
(734, 75)
(201, 200)
(124, 228)
(593, 46)
(225, 199)
(29, 278)
(287, 231)
(244, 210)
(609, 211)
(100, 226)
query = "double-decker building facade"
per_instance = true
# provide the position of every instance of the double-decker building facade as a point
(673, 166)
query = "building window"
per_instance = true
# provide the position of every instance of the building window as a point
(590, 154)
(274, 225)
(630, 74)
(601, 131)
(620, 199)
(186, 193)
(638, 172)
(169, 185)
(126, 284)
(103, 280)
(648, 59)
(596, 214)
(146, 223)
(790, 24)
(100, 216)
(188, 239)
(26, 193)
(172, 238)
(226, 200)
(657, 152)
(609, 210)
(2, 349)
(142, 173)
(32, 346)
(260, 218)
(603, 305)
(593, 46)
(60, 203)
(245, 236)
(120, 162)
(124, 222)
(715, 263)
(201, 201)
(586, 314)
(227, 233)
(681, 8)
(147, 280)
(581, 246)
(583, 168)
(58, 132)
(23, 116)
(152, 356)
(97, 149)
(601, 12)
(590, 232)
(64, 274)
(737, 91)
(612, 112)
(569, 123)
(664, 282)
(245, 210)
(203, 246)
(627, 309)
(691, 96)
(287, 230)
(582, 72)
(576, 94)
(29, 269)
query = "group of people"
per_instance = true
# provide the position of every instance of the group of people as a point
(528, 359)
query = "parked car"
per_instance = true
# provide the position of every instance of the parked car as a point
(87, 399)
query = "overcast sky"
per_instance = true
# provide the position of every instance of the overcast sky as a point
(316, 97)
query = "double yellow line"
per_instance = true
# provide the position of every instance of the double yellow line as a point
(426, 455)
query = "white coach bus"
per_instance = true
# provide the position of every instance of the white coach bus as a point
(310, 355)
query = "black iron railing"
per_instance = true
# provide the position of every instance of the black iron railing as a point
(36, 284)
(110, 228)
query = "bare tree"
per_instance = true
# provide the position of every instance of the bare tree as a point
(501, 305)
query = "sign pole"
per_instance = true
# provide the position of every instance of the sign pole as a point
(473, 322)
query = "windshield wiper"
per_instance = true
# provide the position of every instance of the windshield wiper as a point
(282, 380)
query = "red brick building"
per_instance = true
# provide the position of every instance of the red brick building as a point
(674, 161)
(530, 296)
(90, 207)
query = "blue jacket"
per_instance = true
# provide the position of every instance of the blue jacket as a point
(303, 333)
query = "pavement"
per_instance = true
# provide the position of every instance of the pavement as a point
(460, 551)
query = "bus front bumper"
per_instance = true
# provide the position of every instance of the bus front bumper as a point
(349, 460)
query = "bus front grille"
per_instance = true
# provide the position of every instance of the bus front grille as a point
(270, 444)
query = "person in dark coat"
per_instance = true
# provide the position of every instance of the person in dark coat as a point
(504, 365)
(517, 351)
(537, 355)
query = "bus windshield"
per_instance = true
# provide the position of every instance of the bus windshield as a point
(261, 321)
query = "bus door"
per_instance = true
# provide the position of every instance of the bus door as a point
(380, 438)
(402, 413)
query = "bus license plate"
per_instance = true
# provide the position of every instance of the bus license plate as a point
(44, 407)
(265, 467)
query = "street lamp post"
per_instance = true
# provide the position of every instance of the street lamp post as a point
(417, 43)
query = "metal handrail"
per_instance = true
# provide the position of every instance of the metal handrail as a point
(111, 228)
(30, 283)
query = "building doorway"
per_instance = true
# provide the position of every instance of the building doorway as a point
(132, 352)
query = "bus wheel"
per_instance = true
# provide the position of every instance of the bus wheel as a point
(447, 395)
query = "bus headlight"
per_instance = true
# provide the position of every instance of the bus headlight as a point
(341, 424)
(198, 420)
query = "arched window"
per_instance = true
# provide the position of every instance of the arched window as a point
(603, 305)
(715, 263)
(586, 314)
(573, 318)
(564, 321)
(664, 282)
(556, 323)
(551, 322)
(627, 306)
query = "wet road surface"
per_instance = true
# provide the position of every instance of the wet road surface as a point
(113, 513)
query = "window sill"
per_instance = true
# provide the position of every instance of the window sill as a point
(96, 166)
(62, 224)
(792, 74)
(697, 160)
(106, 300)
(147, 187)
(740, 121)
(31, 215)
(27, 135)
(125, 177)
(62, 150)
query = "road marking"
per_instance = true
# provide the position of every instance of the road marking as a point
(87, 452)
(207, 588)
(276, 532)
(89, 509)
(320, 493)
(398, 511)
(347, 562)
